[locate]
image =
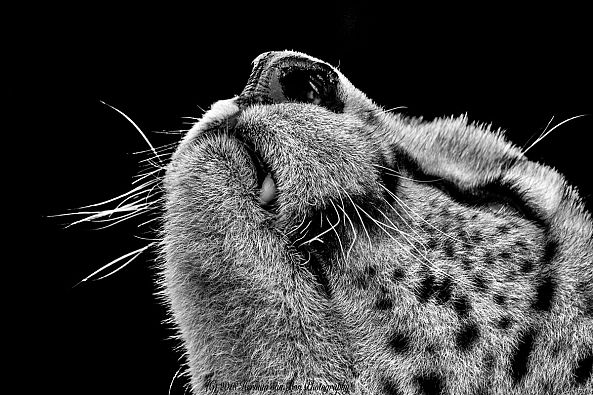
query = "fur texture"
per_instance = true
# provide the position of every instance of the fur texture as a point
(398, 257)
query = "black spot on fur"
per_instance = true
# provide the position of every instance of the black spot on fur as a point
(588, 300)
(500, 300)
(398, 274)
(467, 263)
(362, 281)
(582, 371)
(511, 274)
(462, 306)
(489, 361)
(389, 387)
(399, 342)
(481, 390)
(504, 256)
(544, 294)
(426, 289)
(504, 323)
(480, 283)
(477, 238)
(526, 266)
(586, 290)
(443, 292)
(430, 384)
(467, 336)
(488, 259)
(459, 218)
(383, 302)
(448, 249)
(559, 348)
(520, 358)
(431, 348)
(207, 379)
(503, 229)
(521, 244)
(432, 243)
(550, 251)
(465, 240)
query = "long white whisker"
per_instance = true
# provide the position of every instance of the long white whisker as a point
(93, 215)
(297, 226)
(161, 149)
(137, 128)
(551, 130)
(146, 175)
(393, 109)
(321, 234)
(106, 201)
(154, 182)
(402, 218)
(359, 217)
(134, 254)
(408, 209)
(396, 174)
(149, 221)
(336, 232)
(346, 216)
(124, 218)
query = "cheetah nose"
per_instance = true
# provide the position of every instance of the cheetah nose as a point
(268, 190)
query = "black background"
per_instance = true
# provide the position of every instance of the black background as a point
(509, 67)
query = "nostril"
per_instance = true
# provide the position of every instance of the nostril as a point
(288, 77)
(302, 86)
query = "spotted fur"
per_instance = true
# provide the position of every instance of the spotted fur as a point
(398, 256)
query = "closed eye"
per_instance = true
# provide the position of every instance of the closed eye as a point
(495, 197)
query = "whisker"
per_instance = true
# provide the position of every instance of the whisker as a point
(303, 232)
(173, 132)
(154, 183)
(137, 128)
(147, 238)
(393, 109)
(346, 216)
(173, 379)
(134, 254)
(402, 218)
(121, 219)
(297, 226)
(410, 210)
(545, 134)
(321, 234)
(93, 215)
(359, 216)
(149, 221)
(145, 175)
(105, 201)
(398, 175)
(161, 148)
(336, 232)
